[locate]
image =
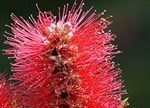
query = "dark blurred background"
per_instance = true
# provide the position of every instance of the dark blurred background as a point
(131, 24)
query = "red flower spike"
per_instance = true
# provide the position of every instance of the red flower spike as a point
(65, 63)
(6, 96)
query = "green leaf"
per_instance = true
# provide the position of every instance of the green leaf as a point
(123, 103)
(14, 103)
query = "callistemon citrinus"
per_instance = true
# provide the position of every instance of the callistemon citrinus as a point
(65, 61)
(7, 98)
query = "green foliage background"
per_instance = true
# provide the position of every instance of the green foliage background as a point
(131, 24)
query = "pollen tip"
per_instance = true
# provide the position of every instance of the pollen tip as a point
(11, 14)
(109, 31)
(120, 51)
(36, 4)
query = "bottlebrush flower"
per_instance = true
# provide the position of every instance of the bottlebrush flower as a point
(64, 62)
(6, 97)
